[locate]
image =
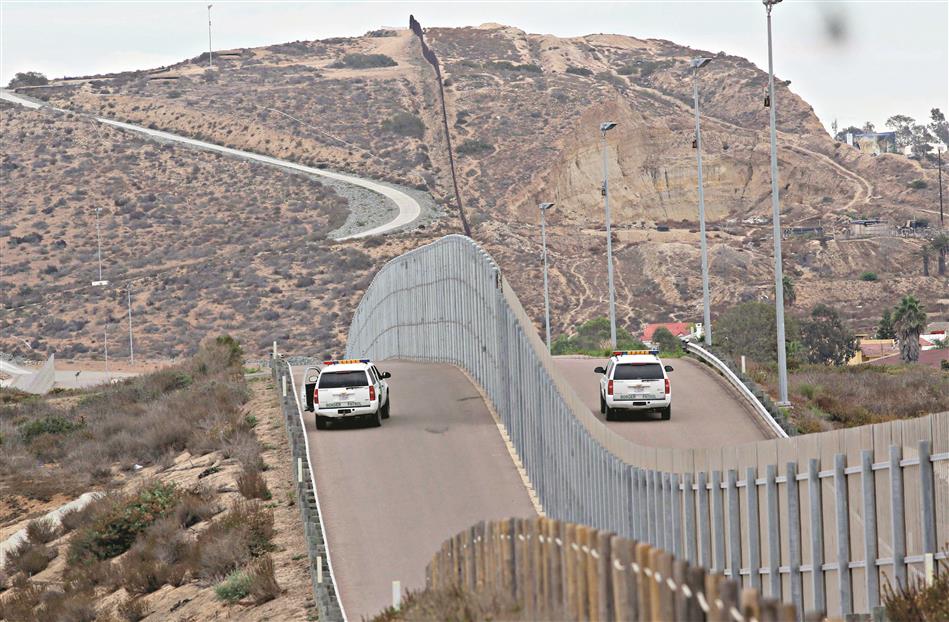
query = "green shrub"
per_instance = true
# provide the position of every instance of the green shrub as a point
(28, 78)
(869, 277)
(509, 66)
(593, 339)
(235, 587)
(404, 124)
(114, 531)
(918, 184)
(473, 146)
(667, 342)
(579, 71)
(50, 424)
(364, 61)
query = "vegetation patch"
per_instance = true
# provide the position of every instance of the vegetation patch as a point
(592, 338)
(404, 124)
(473, 146)
(363, 61)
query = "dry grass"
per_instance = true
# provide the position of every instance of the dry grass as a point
(28, 558)
(455, 603)
(132, 609)
(263, 581)
(918, 602)
(252, 485)
(41, 531)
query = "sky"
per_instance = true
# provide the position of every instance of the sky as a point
(853, 61)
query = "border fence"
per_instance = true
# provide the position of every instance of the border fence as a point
(820, 521)
(555, 570)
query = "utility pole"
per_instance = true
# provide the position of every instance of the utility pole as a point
(210, 53)
(604, 128)
(939, 158)
(131, 348)
(776, 219)
(543, 234)
(697, 63)
(102, 283)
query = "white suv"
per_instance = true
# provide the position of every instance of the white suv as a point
(350, 388)
(635, 380)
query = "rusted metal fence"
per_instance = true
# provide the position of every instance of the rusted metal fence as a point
(556, 570)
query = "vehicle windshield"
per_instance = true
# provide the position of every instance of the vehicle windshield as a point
(341, 379)
(638, 371)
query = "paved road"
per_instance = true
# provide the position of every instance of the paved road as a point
(706, 412)
(391, 495)
(409, 209)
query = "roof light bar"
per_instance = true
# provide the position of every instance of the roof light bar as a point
(654, 352)
(346, 362)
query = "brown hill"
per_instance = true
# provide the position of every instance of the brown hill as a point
(523, 111)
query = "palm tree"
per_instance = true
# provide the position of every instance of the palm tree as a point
(925, 253)
(909, 320)
(941, 246)
(790, 296)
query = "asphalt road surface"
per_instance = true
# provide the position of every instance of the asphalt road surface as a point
(706, 412)
(390, 496)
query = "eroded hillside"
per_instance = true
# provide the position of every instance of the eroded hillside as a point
(523, 111)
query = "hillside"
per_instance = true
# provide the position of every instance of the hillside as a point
(523, 110)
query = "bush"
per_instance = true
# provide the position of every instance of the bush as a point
(132, 609)
(114, 531)
(667, 342)
(869, 277)
(917, 601)
(473, 146)
(404, 124)
(235, 587)
(363, 61)
(579, 71)
(252, 485)
(28, 558)
(263, 581)
(245, 531)
(28, 78)
(50, 424)
(195, 506)
(41, 531)
(593, 338)
(749, 329)
(918, 184)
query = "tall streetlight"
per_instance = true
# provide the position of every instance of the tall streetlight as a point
(210, 59)
(543, 236)
(698, 63)
(605, 191)
(776, 219)
(102, 283)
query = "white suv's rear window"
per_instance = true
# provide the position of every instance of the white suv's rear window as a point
(343, 379)
(638, 371)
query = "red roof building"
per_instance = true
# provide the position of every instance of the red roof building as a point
(678, 329)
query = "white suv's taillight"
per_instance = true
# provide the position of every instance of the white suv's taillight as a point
(372, 393)
(609, 387)
(667, 387)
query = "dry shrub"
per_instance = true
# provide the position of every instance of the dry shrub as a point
(67, 606)
(132, 609)
(263, 581)
(18, 605)
(245, 531)
(87, 576)
(4, 581)
(196, 505)
(28, 558)
(42, 531)
(244, 447)
(457, 603)
(160, 555)
(252, 485)
(918, 602)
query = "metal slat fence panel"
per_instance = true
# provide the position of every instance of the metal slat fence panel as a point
(447, 302)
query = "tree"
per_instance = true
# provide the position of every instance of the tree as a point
(842, 134)
(909, 321)
(868, 127)
(885, 327)
(825, 338)
(667, 342)
(938, 126)
(749, 329)
(925, 253)
(28, 78)
(790, 295)
(903, 126)
(593, 336)
(833, 128)
(941, 245)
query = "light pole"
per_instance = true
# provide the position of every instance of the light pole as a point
(131, 348)
(605, 191)
(698, 63)
(543, 236)
(776, 219)
(210, 58)
(102, 283)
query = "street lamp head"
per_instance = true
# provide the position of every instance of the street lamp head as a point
(606, 127)
(545, 206)
(698, 63)
(770, 3)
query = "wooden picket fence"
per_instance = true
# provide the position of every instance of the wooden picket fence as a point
(558, 570)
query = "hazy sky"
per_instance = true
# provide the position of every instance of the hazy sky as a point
(892, 57)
